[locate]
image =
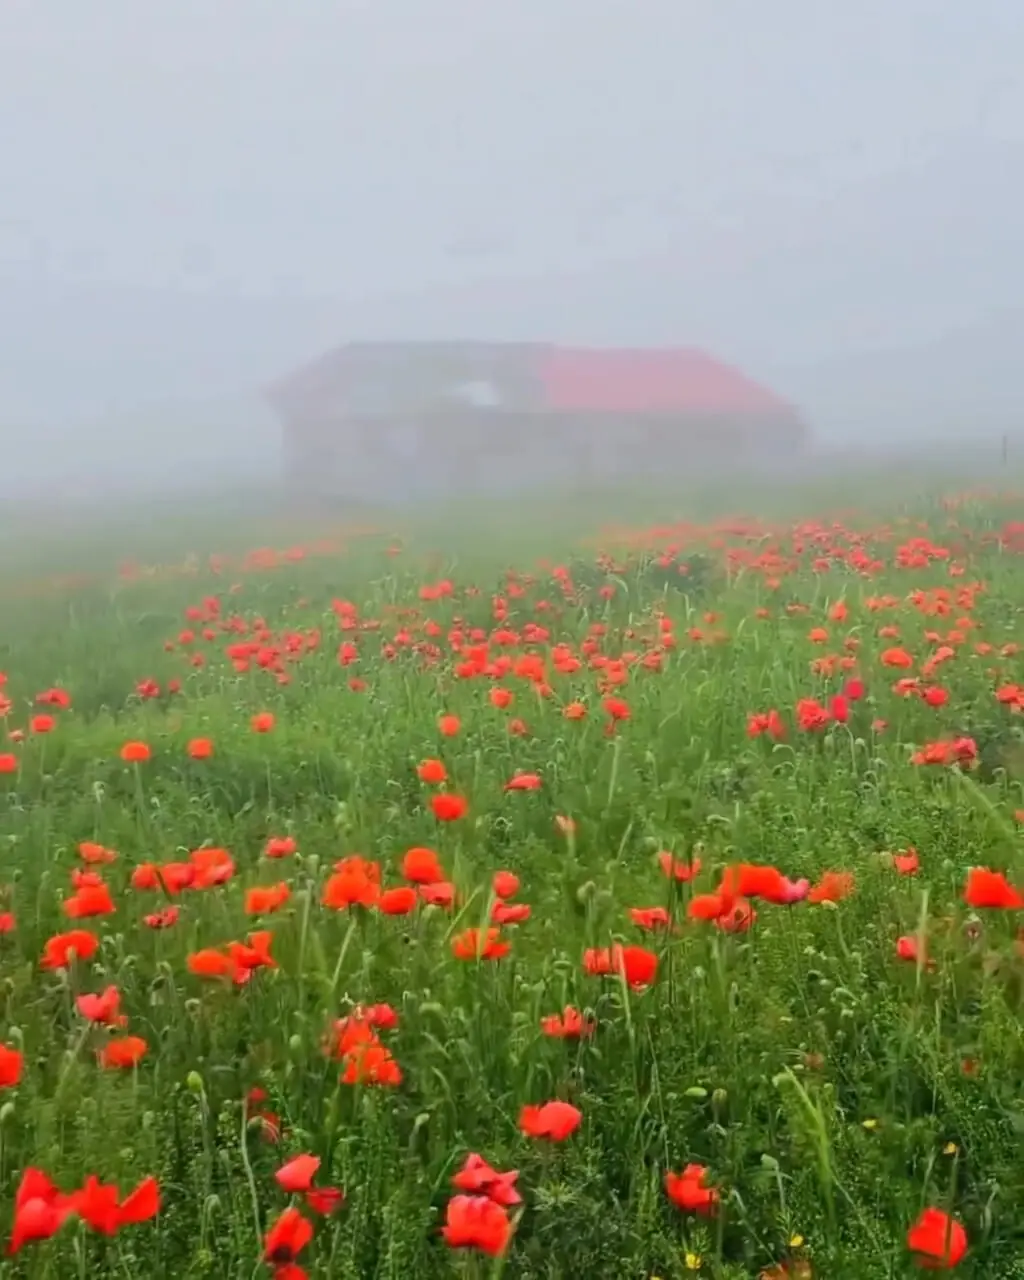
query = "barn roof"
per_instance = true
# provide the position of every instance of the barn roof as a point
(565, 379)
(646, 380)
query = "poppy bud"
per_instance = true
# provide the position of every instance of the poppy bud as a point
(195, 1083)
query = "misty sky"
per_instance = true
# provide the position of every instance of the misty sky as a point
(321, 146)
(787, 179)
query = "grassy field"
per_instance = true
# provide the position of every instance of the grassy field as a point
(666, 867)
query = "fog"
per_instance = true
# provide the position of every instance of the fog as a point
(197, 197)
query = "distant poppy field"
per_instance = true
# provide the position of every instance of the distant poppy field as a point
(649, 909)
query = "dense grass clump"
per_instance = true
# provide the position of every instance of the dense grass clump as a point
(674, 873)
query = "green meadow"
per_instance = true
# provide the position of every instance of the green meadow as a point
(661, 851)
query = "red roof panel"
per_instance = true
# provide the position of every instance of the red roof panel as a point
(648, 381)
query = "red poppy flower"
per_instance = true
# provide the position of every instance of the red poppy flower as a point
(448, 807)
(421, 866)
(355, 882)
(750, 880)
(100, 1206)
(505, 884)
(766, 723)
(40, 1210)
(298, 1174)
(991, 889)
(171, 877)
(210, 963)
(162, 919)
(252, 954)
(908, 948)
(570, 1024)
(123, 1053)
(478, 1178)
(555, 1121)
(89, 900)
(141, 1204)
(441, 894)
(707, 906)
(524, 782)
(287, 1238)
(480, 944)
(811, 716)
(833, 886)
(348, 1034)
(54, 698)
(737, 916)
(677, 869)
(95, 854)
(938, 1241)
(476, 1222)
(637, 965)
(432, 772)
(104, 1008)
(322, 1200)
(262, 900)
(947, 752)
(371, 1064)
(212, 867)
(85, 879)
(77, 944)
(650, 918)
(381, 1016)
(510, 912)
(906, 863)
(11, 1062)
(689, 1191)
(397, 902)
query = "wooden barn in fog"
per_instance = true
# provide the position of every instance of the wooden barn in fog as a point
(391, 421)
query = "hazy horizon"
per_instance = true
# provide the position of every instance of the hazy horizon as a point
(198, 199)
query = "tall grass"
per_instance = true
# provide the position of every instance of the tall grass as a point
(830, 1089)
